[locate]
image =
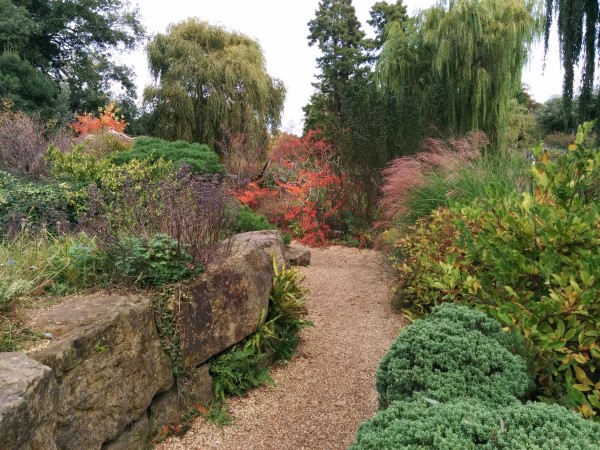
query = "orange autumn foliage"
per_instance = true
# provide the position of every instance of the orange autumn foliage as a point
(305, 191)
(107, 120)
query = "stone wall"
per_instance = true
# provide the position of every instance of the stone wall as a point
(104, 381)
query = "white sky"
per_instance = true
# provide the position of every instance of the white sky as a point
(280, 26)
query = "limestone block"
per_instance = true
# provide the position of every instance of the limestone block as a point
(224, 305)
(108, 363)
(27, 398)
(134, 437)
(166, 409)
(196, 387)
(269, 241)
(298, 256)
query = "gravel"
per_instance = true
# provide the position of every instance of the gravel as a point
(328, 389)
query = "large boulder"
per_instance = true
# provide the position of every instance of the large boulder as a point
(269, 241)
(224, 305)
(108, 363)
(27, 397)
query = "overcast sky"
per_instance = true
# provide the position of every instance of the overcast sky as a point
(280, 26)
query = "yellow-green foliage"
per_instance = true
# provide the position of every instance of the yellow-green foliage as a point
(80, 168)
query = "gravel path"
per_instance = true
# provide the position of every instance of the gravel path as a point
(328, 389)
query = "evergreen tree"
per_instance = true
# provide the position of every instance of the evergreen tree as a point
(383, 15)
(337, 33)
(66, 41)
(361, 120)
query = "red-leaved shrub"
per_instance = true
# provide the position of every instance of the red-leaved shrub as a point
(303, 190)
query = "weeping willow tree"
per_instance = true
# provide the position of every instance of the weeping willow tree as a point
(460, 66)
(578, 22)
(208, 80)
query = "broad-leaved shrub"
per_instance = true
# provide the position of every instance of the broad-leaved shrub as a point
(156, 260)
(415, 257)
(33, 204)
(532, 261)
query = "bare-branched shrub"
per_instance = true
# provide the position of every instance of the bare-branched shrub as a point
(438, 156)
(244, 162)
(195, 211)
(24, 141)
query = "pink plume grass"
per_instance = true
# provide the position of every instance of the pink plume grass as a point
(404, 175)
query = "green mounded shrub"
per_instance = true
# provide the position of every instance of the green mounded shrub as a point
(34, 203)
(446, 358)
(248, 220)
(199, 157)
(463, 425)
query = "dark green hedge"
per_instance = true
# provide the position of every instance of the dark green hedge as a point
(463, 425)
(200, 158)
(457, 353)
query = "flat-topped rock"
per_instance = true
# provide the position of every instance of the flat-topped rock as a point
(108, 363)
(298, 256)
(269, 241)
(27, 396)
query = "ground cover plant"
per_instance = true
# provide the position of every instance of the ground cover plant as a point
(528, 258)
(469, 424)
